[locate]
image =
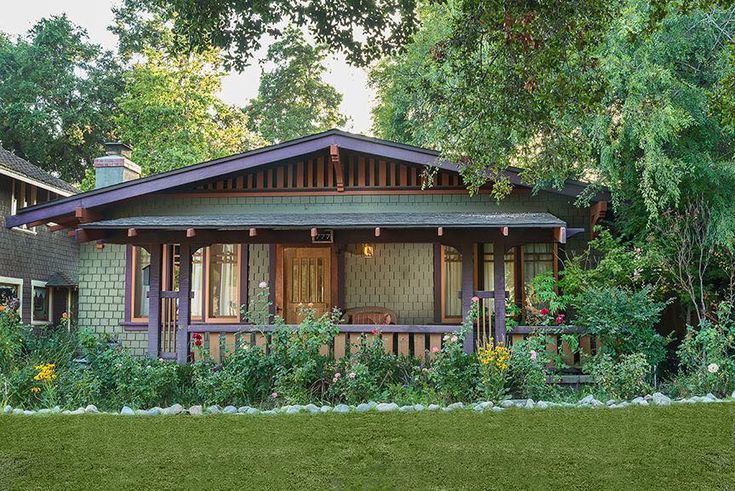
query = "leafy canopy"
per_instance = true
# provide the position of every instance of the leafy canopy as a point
(293, 100)
(57, 96)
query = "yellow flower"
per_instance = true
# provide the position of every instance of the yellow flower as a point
(35, 390)
(496, 356)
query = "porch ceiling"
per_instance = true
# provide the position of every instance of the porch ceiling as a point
(332, 220)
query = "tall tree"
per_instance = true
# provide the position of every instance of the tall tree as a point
(293, 99)
(57, 93)
(364, 30)
(170, 112)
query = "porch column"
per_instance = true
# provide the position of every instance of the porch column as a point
(184, 310)
(499, 282)
(154, 301)
(468, 287)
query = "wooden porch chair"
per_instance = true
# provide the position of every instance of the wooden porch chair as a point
(379, 316)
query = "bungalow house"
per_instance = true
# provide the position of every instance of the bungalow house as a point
(329, 220)
(37, 266)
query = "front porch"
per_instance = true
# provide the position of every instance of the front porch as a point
(193, 274)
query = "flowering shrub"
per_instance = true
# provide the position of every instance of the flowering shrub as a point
(707, 356)
(494, 362)
(620, 379)
(528, 368)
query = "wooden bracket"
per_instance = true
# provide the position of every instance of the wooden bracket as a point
(337, 164)
(504, 231)
(560, 235)
(440, 231)
(85, 215)
(132, 232)
(253, 232)
(377, 231)
(190, 232)
(314, 232)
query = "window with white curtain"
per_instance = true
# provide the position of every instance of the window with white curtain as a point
(451, 261)
(222, 282)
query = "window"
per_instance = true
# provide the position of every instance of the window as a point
(451, 284)
(223, 270)
(40, 303)
(11, 288)
(197, 280)
(141, 281)
(487, 274)
(24, 195)
(537, 259)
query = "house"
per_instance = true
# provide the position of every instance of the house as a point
(329, 220)
(37, 266)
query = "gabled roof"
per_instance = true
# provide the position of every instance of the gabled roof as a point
(16, 167)
(234, 163)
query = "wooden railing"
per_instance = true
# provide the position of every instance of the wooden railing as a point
(169, 321)
(484, 320)
(419, 341)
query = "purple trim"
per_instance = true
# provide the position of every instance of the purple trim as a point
(547, 330)
(248, 160)
(244, 274)
(468, 279)
(341, 278)
(184, 311)
(346, 328)
(500, 294)
(154, 302)
(437, 283)
(272, 278)
(134, 326)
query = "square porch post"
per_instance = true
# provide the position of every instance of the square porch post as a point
(468, 287)
(499, 287)
(154, 301)
(184, 310)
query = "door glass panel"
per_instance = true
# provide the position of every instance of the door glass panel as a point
(223, 271)
(452, 281)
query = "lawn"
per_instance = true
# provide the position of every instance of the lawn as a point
(682, 447)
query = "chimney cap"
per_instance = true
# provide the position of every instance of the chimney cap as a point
(118, 148)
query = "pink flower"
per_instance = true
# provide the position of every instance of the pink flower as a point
(374, 332)
(337, 375)
(263, 284)
(435, 349)
(454, 339)
(475, 299)
(533, 355)
(560, 319)
(544, 311)
(352, 375)
(274, 395)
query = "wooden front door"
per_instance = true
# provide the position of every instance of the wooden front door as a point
(306, 280)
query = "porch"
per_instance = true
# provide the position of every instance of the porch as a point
(191, 274)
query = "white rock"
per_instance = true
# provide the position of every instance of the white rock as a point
(506, 403)
(312, 408)
(253, 410)
(17, 411)
(433, 407)
(639, 401)
(406, 409)
(711, 397)
(454, 407)
(293, 410)
(43, 411)
(529, 404)
(611, 402)
(325, 409)
(56, 410)
(7, 409)
(660, 399)
(648, 397)
(28, 412)
(214, 409)
(173, 410)
(269, 412)
(154, 411)
(126, 411)
(229, 410)
(91, 409)
(363, 408)
(342, 408)
(542, 405)
(419, 407)
(243, 409)
(385, 407)
(497, 409)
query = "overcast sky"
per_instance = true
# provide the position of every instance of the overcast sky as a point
(95, 15)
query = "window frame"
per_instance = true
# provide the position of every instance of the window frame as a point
(207, 319)
(9, 280)
(131, 287)
(49, 300)
(446, 319)
(521, 271)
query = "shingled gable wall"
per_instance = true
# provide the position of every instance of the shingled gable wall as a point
(399, 276)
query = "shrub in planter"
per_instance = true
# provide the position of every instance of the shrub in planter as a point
(624, 378)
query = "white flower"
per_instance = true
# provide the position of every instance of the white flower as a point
(454, 339)
(263, 284)
(352, 375)
(713, 368)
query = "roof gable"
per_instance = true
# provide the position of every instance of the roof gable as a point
(226, 168)
(14, 166)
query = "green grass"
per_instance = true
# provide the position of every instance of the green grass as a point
(682, 447)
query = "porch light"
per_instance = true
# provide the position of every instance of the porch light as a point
(367, 250)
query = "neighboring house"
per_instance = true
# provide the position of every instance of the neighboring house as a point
(332, 219)
(37, 266)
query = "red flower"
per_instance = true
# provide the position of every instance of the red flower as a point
(197, 336)
(560, 319)
(198, 342)
(544, 311)
(374, 332)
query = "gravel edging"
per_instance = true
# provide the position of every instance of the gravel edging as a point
(656, 399)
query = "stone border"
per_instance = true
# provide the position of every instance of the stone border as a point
(657, 399)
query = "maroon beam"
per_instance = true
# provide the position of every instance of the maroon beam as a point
(468, 277)
(499, 288)
(184, 313)
(154, 302)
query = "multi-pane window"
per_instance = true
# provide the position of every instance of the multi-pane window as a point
(488, 269)
(10, 289)
(537, 259)
(223, 268)
(40, 303)
(197, 280)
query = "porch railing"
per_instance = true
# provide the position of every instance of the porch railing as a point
(556, 345)
(420, 341)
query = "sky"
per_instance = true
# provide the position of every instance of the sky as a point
(95, 15)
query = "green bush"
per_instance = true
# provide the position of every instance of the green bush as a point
(623, 321)
(528, 369)
(623, 378)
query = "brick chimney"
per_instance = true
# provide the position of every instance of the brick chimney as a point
(115, 167)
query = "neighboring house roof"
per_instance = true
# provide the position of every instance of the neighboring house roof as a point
(248, 160)
(333, 220)
(16, 167)
(60, 279)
